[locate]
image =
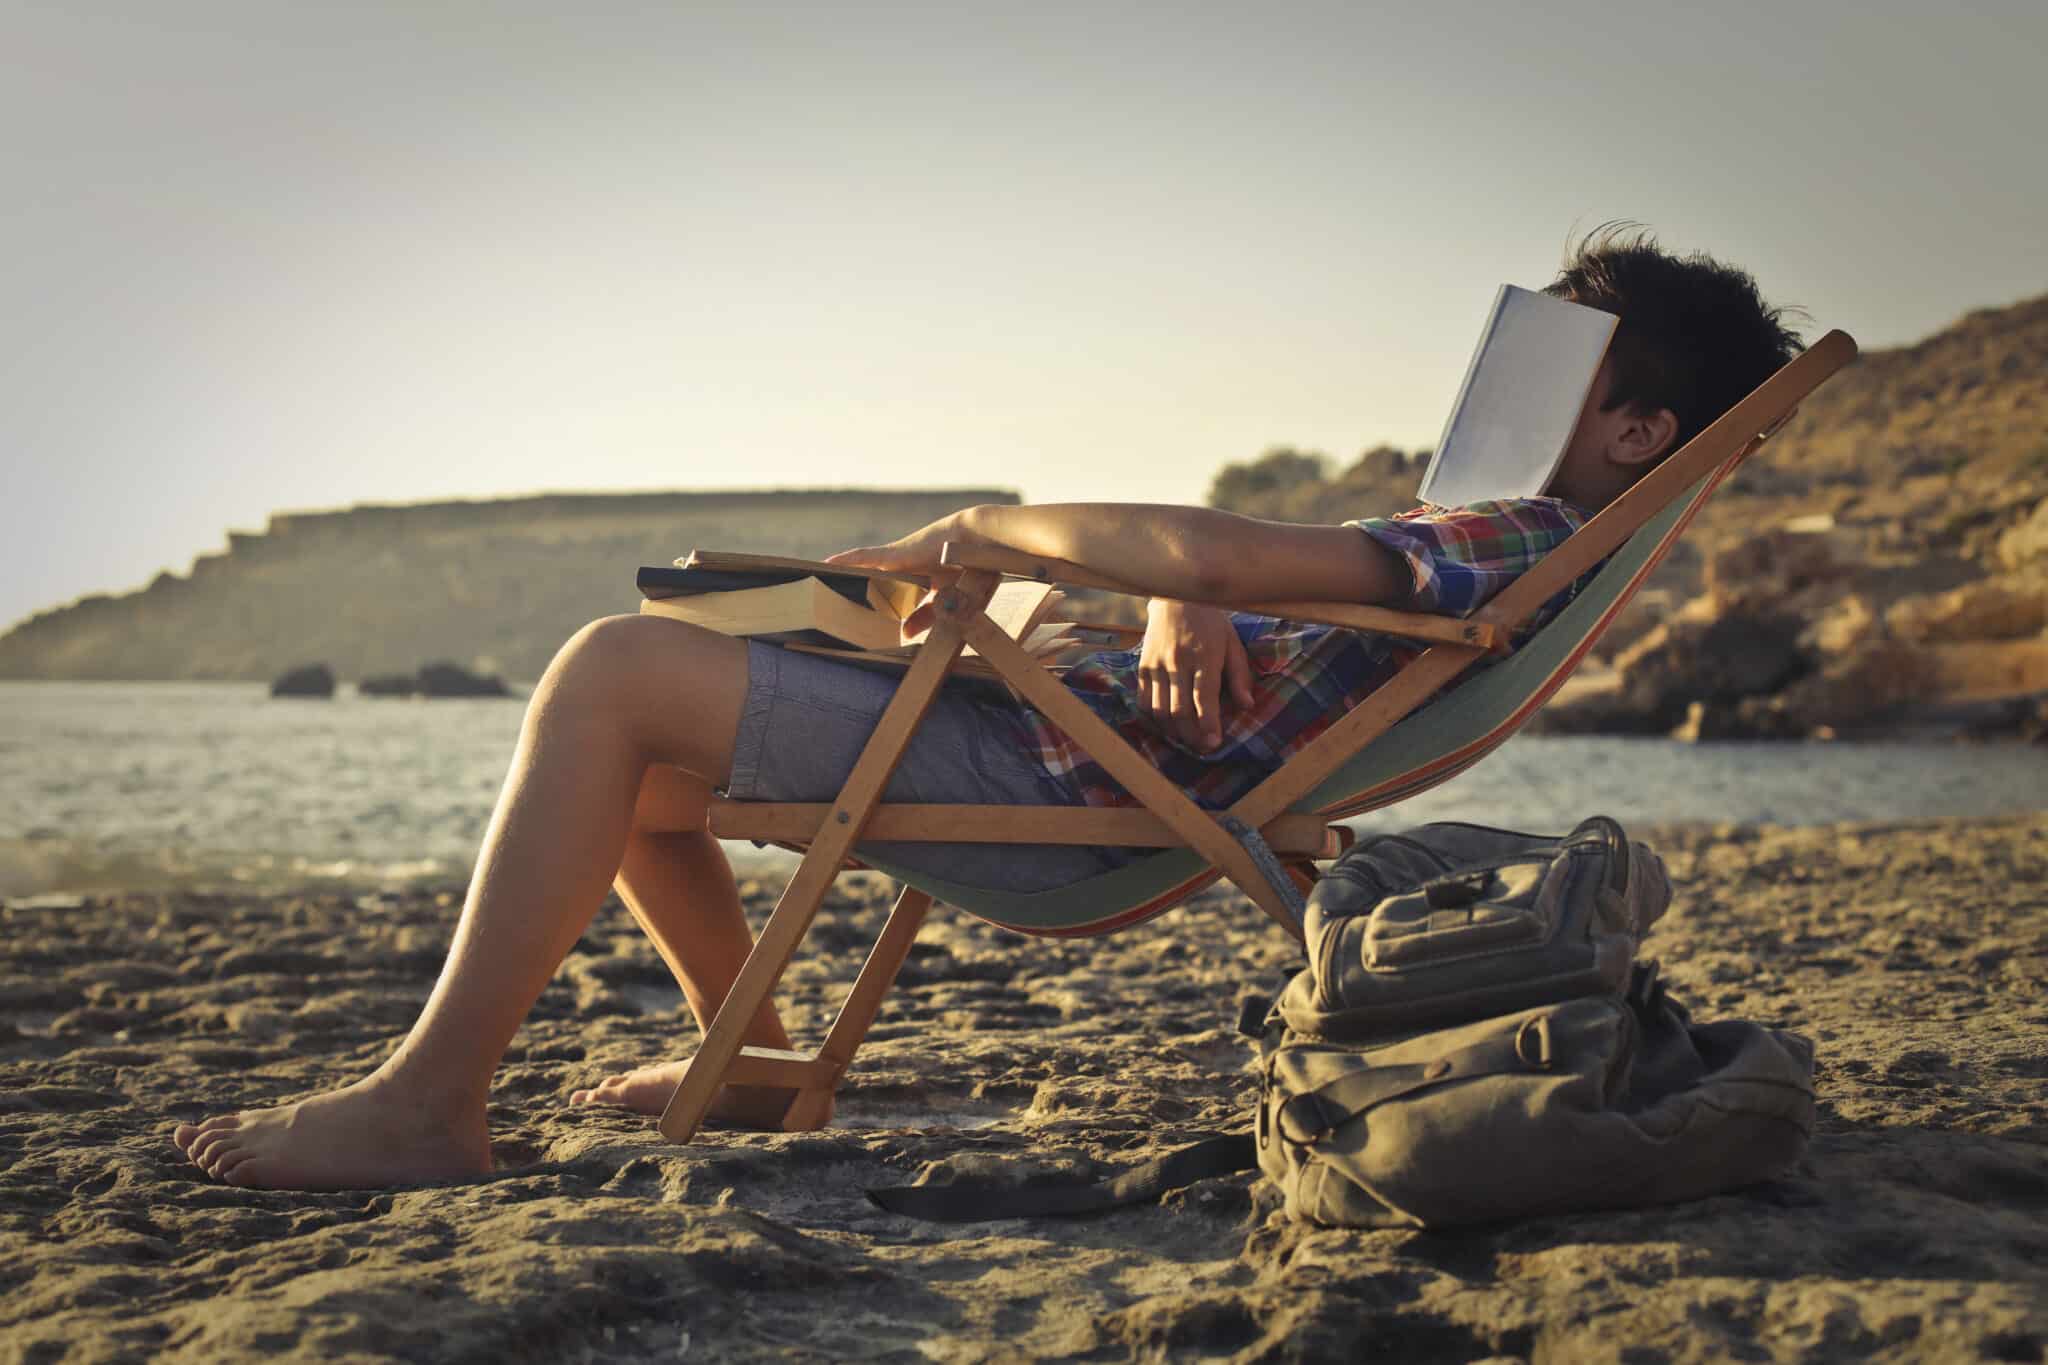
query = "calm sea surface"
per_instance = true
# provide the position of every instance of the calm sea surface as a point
(151, 784)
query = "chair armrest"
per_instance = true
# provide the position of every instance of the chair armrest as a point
(1411, 625)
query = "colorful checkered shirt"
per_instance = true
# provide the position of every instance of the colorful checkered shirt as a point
(1305, 676)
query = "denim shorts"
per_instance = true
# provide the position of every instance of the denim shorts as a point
(806, 719)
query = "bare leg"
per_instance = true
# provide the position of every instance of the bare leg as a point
(625, 692)
(680, 888)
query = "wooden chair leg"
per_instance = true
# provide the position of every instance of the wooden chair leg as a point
(863, 1003)
(722, 1047)
(798, 906)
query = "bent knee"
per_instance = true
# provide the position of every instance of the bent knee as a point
(631, 663)
(610, 642)
(596, 657)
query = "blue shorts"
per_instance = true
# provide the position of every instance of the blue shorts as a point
(806, 719)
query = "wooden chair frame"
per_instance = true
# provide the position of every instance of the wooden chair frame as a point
(1166, 817)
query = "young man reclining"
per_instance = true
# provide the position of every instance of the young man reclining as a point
(1216, 701)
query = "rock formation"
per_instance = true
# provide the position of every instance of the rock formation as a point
(1902, 520)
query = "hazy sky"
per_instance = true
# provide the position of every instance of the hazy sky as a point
(266, 255)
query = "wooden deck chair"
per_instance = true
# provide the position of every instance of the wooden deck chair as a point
(1377, 754)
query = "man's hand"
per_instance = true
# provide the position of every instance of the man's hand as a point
(1190, 658)
(917, 553)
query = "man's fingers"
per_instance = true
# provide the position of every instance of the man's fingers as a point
(1207, 693)
(1184, 728)
(1237, 671)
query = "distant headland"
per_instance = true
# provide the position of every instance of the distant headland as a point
(494, 585)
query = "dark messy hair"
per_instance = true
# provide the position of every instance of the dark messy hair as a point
(1695, 336)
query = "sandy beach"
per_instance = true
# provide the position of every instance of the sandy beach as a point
(1916, 1228)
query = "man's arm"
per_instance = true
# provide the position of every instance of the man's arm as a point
(1195, 553)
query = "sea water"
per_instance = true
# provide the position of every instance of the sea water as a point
(169, 784)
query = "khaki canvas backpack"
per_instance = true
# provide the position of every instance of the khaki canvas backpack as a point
(1473, 1040)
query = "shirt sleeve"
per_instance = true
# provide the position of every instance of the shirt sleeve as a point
(1459, 557)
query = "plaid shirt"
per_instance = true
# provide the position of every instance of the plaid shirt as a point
(1305, 676)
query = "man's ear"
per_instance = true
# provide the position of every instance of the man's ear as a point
(1644, 438)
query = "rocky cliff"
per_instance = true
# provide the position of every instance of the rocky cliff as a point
(494, 585)
(1882, 562)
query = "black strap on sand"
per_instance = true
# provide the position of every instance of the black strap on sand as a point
(1139, 1185)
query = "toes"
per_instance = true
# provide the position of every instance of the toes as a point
(188, 1133)
(208, 1147)
(212, 1154)
(605, 1091)
(230, 1164)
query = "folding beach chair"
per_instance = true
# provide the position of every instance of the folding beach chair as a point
(1376, 754)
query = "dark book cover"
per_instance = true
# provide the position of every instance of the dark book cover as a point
(660, 581)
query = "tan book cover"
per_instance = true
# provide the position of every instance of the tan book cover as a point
(801, 611)
(810, 612)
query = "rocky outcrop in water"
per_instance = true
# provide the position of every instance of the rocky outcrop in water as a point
(435, 680)
(493, 586)
(309, 680)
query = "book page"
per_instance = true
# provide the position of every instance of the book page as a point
(1521, 399)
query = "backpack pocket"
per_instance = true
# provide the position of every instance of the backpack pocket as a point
(1542, 920)
(1478, 911)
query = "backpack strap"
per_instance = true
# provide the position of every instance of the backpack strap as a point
(1313, 1115)
(1139, 1185)
(1268, 863)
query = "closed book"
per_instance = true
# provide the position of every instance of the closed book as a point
(801, 611)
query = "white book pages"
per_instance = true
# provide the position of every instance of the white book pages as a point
(1520, 401)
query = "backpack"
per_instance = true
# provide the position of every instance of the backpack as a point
(1474, 1040)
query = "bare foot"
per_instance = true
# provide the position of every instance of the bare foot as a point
(365, 1136)
(647, 1091)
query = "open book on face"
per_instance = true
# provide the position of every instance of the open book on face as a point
(810, 604)
(1521, 399)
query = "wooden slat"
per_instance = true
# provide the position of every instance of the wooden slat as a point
(793, 913)
(1125, 764)
(1123, 826)
(1409, 625)
(782, 1069)
(877, 974)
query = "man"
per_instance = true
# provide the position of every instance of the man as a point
(1215, 700)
